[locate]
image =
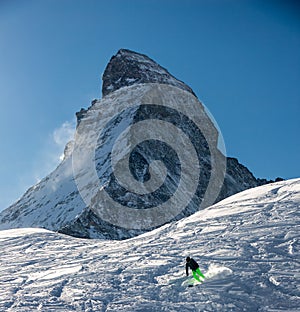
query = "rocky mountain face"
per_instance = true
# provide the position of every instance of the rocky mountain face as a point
(127, 68)
(65, 200)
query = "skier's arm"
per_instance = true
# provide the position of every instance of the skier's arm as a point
(187, 269)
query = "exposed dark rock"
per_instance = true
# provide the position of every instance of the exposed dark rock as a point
(238, 178)
(80, 114)
(127, 68)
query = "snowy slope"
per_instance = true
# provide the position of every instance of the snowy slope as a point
(50, 204)
(251, 239)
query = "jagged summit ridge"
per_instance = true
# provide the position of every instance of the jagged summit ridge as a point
(128, 67)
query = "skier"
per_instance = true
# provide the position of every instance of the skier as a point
(190, 262)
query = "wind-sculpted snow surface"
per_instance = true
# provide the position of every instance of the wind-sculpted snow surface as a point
(248, 244)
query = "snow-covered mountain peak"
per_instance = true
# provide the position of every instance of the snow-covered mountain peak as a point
(150, 123)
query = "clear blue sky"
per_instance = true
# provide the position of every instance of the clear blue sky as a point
(242, 59)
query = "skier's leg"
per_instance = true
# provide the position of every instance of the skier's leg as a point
(196, 277)
(200, 273)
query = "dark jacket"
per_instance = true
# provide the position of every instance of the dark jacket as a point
(192, 264)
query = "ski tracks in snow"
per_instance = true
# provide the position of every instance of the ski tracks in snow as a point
(247, 246)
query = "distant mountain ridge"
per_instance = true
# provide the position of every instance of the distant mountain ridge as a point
(55, 202)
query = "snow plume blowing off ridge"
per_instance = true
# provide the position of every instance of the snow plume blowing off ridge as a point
(247, 246)
(57, 145)
(63, 135)
(53, 153)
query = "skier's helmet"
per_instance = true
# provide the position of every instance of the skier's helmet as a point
(188, 259)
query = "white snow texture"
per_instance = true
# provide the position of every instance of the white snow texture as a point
(247, 245)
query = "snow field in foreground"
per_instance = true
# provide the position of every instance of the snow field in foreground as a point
(250, 239)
